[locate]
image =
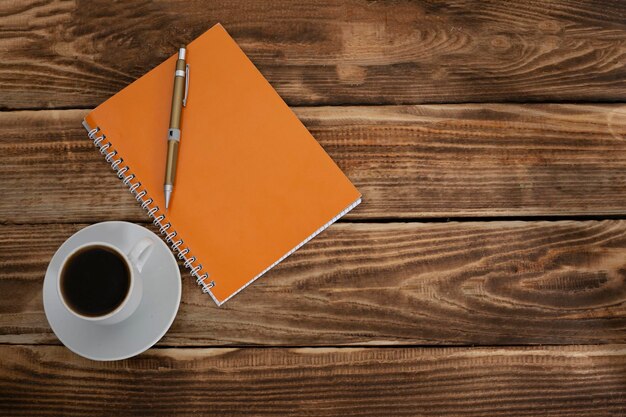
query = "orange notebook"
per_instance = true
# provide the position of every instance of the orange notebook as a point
(252, 184)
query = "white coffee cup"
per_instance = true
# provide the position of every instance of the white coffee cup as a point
(135, 260)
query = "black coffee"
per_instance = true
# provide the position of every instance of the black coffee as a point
(95, 281)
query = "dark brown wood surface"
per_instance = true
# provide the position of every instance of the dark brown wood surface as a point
(490, 283)
(547, 381)
(76, 54)
(508, 118)
(427, 161)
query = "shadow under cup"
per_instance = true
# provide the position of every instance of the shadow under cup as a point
(95, 281)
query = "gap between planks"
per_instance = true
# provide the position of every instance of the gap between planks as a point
(472, 219)
(617, 346)
(348, 104)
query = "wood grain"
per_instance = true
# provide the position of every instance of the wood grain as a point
(548, 381)
(78, 53)
(491, 283)
(377, 289)
(428, 161)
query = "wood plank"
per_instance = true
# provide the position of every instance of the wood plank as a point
(547, 381)
(77, 54)
(408, 161)
(491, 283)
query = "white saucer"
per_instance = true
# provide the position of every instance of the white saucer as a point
(146, 326)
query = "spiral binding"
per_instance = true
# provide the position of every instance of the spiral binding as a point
(127, 177)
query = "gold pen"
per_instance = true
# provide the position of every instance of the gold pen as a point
(179, 99)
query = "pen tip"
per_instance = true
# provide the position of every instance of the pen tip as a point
(168, 195)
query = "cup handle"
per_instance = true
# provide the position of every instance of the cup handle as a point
(140, 253)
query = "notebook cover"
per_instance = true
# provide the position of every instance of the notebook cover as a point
(252, 183)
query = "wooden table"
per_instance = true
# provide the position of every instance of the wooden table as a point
(484, 273)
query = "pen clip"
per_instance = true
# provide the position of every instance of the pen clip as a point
(186, 85)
